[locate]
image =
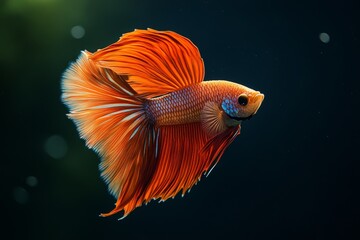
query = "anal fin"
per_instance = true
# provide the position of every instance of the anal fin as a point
(186, 152)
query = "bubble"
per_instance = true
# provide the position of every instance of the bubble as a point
(31, 181)
(56, 147)
(21, 196)
(77, 32)
(324, 37)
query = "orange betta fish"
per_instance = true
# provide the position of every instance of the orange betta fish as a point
(142, 105)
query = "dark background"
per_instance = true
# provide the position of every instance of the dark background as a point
(291, 174)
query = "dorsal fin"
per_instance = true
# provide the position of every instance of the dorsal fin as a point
(156, 62)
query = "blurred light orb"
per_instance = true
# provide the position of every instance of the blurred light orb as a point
(77, 31)
(21, 196)
(324, 37)
(56, 146)
(31, 181)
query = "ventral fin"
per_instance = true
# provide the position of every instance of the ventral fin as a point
(212, 119)
(156, 62)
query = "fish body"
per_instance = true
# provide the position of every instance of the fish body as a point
(186, 105)
(142, 105)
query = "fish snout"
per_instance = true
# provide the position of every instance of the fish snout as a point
(258, 99)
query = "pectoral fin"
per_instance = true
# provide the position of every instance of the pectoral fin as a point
(212, 119)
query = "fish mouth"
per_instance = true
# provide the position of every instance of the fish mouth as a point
(240, 118)
(259, 99)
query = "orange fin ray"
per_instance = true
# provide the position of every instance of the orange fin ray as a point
(217, 144)
(156, 62)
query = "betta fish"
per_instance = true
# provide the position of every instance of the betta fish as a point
(141, 104)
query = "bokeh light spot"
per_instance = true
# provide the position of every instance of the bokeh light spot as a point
(77, 32)
(324, 37)
(31, 181)
(56, 147)
(21, 196)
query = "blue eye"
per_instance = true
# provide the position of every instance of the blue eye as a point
(243, 100)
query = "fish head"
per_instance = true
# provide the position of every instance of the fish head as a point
(240, 103)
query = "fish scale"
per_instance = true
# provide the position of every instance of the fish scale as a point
(185, 105)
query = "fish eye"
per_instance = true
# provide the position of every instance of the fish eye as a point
(243, 100)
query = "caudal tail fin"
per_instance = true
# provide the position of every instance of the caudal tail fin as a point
(110, 116)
